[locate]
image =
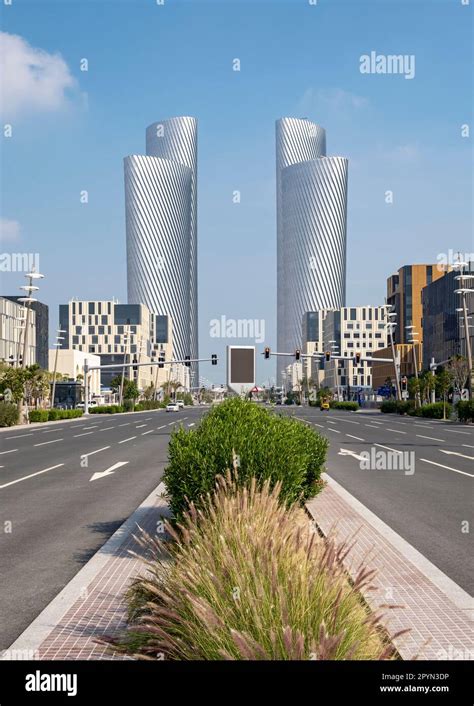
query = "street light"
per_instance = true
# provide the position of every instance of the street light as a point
(463, 291)
(413, 341)
(28, 300)
(57, 344)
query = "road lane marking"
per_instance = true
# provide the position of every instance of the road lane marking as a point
(147, 432)
(53, 441)
(321, 426)
(355, 437)
(329, 421)
(370, 425)
(129, 439)
(453, 431)
(51, 431)
(107, 428)
(93, 427)
(193, 423)
(425, 426)
(468, 446)
(141, 425)
(86, 433)
(389, 448)
(336, 431)
(374, 422)
(125, 425)
(430, 437)
(455, 470)
(18, 437)
(8, 452)
(396, 431)
(18, 480)
(91, 453)
(108, 471)
(147, 419)
(348, 452)
(162, 427)
(456, 453)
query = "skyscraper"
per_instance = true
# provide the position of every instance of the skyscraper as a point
(311, 228)
(161, 224)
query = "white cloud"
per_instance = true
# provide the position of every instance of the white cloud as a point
(32, 79)
(9, 230)
(330, 99)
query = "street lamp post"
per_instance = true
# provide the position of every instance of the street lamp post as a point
(414, 340)
(463, 291)
(28, 300)
(391, 326)
(57, 344)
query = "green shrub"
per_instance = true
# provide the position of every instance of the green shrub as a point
(128, 405)
(106, 409)
(145, 405)
(436, 410)
(267, 446)
(465, 410)
(388, 406)
(247, 579)
(349, 406)
(8, 414)
(39, 415)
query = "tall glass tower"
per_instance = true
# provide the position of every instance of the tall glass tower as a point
(161, 224)
(311, 229)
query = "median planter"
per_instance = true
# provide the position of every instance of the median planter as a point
(245, 578)
(262, 444)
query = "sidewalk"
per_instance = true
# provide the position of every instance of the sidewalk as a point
(422, 598)
(92, 605)
(411, 591)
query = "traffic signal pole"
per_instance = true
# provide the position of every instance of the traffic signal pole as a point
(116, 366)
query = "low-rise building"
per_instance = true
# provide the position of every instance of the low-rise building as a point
(70, 362)
(383, 371)
(12, 330)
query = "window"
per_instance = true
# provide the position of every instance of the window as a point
(350, 344)
(78, 329)
(91, 307)
(350, 326)
(103, 319)
(353, 314)
(91, 330)
(117, 339)
(378, 335)
(357, 335)
(101, 330)
(369, 326)
(347, 335)
(119, 329)
(95, 339)
(75, 340)
(91, 349)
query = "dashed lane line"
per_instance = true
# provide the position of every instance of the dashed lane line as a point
(396, 431)
(91, 453)
(355, 437)
(8, 452)
(150, 431)
(18, 437)
(85, 433)
(18, 480)
(455, 470)
(389, 448)
(130, 438)
(53, 441)
(432, 438)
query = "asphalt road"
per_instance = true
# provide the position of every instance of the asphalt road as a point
(430, 502)
(53, 517)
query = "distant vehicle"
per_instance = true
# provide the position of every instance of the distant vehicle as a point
(180, 403)
(278, 402)
(92, 403)
(172, 407)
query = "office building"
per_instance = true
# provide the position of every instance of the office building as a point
(311, 198)
(41, 317)
(12, 323)
(161, 226)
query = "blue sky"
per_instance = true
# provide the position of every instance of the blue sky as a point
(148, 62)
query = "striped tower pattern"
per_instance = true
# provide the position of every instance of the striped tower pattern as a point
(311, 229)
(158, 220)
(297, 140)
(175, 139)
(314, 207)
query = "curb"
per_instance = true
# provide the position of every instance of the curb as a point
(31, 639)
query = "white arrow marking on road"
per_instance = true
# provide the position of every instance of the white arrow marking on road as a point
(348, 452)
(108, 471)
(456, 453)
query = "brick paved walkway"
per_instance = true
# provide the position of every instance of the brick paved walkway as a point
(438, 612)
(97, 607)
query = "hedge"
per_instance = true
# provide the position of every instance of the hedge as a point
(145, 405)
(465, 410)
(8, 414)
(266, 446)
(435, 410)
(107, 409)
(51, 415)
(349, 406)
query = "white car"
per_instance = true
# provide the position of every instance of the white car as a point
(92, 403)
(172, 407)
(180, 404)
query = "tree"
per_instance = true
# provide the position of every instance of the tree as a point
(443, 385)
(458, 368)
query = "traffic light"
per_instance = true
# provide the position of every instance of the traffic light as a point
(267, 353)
(135, 367)
(187, 359)
(297, 354)
(161, 359)
(214, 359)
(357, 358)
(328, 356)
(404, 382)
